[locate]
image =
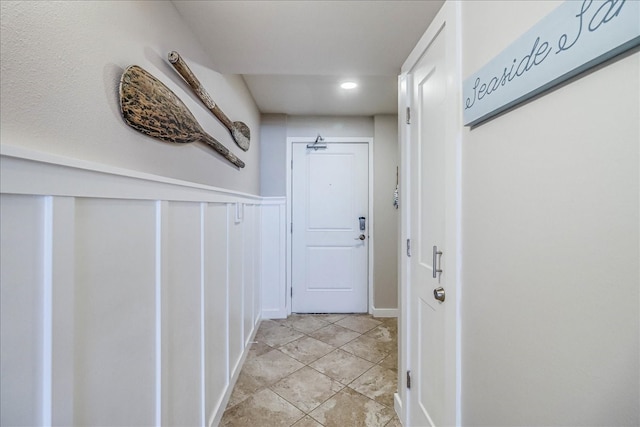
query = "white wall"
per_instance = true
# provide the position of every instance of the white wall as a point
(273, 171)
(330, 126)
(383, 128)
(550, 295)
(276, 128)
(61, 66)
(385, 230)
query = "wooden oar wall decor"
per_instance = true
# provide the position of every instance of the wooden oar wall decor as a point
(150, 107)
(239, 131)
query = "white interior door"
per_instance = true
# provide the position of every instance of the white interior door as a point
(330, 193)
(432, 265)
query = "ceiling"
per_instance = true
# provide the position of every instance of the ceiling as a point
(294, 54)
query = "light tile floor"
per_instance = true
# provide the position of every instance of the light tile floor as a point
(318, 370)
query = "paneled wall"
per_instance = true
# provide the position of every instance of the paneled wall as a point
(126, 299)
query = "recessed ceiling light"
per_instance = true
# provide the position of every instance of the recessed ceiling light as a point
(349, 85)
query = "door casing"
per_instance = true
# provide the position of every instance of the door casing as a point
(289, 167)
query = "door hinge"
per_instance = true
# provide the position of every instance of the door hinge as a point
(408, 379)
(408, 115)
(291, 164)
(408, 247)
(291, 292)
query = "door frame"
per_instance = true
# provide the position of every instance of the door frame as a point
(449, 15)
(289, 208)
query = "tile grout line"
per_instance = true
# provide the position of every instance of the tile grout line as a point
(344, 386)
(289, 324)
(339, 348)
(307, 365)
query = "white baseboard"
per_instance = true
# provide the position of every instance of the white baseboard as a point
(274, 314)
(397, 405)
(384, 312)
(216, 417)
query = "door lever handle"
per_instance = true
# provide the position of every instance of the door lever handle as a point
(436, 257)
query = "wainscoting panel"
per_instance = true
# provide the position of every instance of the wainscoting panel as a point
(126, 298)
(273, 258)
(236, 293)
(257, 263)
(115, 316)
(216, 311)
(21, 309)
(248, 272)
(181, 304)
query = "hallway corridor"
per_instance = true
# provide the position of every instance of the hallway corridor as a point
(318, 370)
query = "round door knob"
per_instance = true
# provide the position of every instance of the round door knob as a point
(361, 237)
(438, 293)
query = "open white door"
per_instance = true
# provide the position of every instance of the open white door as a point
(330, 203)
(432, 350)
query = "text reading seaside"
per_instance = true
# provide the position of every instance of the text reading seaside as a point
(574, 37)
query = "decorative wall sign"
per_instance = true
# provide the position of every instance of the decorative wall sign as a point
(574, 37)
(150, 107)
(239, 130)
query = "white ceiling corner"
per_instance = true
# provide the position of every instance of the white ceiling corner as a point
(293, 54)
